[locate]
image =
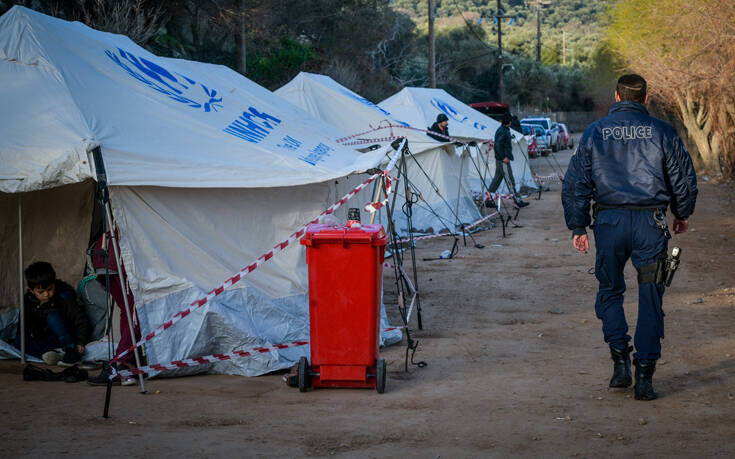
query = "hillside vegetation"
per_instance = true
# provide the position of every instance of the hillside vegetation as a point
(579, 20)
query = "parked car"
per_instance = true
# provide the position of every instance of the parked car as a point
(529, 133)
(567, 140)
(551, 128)
(542, 136)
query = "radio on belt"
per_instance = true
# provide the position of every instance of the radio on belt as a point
(345, 281)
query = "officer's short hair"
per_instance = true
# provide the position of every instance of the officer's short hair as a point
(632, 87)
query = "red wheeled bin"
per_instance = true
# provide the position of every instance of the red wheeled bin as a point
(345, 281)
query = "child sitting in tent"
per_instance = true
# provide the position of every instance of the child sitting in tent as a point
(54, 318)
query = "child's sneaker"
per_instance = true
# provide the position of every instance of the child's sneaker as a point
(128, 380)
(51, 358)
(71, 358)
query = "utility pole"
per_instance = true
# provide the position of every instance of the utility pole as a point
(538, 4)
(538, 32)
(240, 41)
(432, 66)
(499, 16)
(500, 54)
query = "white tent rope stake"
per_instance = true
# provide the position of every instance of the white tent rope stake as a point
(253, 266)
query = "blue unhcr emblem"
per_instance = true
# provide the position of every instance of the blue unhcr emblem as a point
(480, 126)
(447, 109)
(154, 76)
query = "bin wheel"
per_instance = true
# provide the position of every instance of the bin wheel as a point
(380, 376)
(303, 374)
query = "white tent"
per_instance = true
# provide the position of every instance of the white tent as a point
(436, 164)
(207, 171)
(420, 106)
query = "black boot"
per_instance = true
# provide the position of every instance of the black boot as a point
(644, 370)
(621, 367)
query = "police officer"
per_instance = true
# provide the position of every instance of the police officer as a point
(634, 166)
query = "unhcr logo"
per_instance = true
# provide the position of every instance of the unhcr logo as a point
(627, 132)
(447, 109)
(175, 86)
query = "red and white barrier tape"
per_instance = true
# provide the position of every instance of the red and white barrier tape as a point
(405, 275)
(466, 227)
(257, 263)
(486, 217)
(375, 206)
(196, 361)
(186, 363)
(548, 178)
(393, 136)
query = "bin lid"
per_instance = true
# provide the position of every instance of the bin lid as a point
(330, 234)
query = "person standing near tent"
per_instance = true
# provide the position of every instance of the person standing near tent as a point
(634, 166)
(503, 156)
(441, 127)
(103, 263)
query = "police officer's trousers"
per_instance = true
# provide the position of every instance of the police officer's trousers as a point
(619, 235)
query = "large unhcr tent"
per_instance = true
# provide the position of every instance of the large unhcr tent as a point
(436, 170)
(419, 107)
(207, 170)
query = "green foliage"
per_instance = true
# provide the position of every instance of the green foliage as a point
(286, 59)
(580, 19)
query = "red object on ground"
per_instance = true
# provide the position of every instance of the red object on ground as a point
(345, 280)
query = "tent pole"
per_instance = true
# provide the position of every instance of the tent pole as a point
(124, 286)
(20, 282)
(101, 173)
(377, 198)
(459, 189)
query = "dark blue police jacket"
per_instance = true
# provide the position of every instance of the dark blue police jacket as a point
(628, 158)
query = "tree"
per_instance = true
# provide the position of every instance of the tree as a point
(686, 51)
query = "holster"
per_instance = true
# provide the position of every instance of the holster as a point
(662, 270)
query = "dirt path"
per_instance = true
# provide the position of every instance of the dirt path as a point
(516, 367)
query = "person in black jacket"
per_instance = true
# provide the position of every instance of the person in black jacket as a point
(441, 127)
(54, 317)
(634, 166)
(503, 148)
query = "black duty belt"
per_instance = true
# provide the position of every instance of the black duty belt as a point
(659, 214)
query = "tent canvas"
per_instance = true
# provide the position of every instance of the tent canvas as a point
(420, 106)
(207, 171)
(434, 165)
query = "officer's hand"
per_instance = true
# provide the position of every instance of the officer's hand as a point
(506, 160)
(680, 226)
(581, 242)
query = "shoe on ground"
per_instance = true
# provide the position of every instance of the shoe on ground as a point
(522, 204)
(104, 376)
(128, 380)
(71, 358)
(74, 374)
(51, 358)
